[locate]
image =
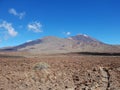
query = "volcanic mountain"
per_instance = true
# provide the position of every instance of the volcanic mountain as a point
(51, 44)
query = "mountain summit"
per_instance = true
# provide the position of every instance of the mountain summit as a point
(83, 38)
(51, 44)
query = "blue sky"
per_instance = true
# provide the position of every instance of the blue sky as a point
(24, 20)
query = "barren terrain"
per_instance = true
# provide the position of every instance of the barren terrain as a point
(21, 71)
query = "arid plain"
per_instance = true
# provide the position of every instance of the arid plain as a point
(25, 71)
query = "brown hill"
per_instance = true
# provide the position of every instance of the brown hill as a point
(78, 43)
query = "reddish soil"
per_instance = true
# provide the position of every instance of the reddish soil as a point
(59, 72)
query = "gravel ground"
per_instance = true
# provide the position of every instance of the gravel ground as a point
(59, 72)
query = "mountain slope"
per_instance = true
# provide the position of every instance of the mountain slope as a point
(78, 43)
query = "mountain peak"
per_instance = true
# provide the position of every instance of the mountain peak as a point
(52, 44)
(84, 35)
(49, 37)
(83, 38)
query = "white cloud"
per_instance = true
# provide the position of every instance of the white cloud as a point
(15, 13)
(35, 27)
(67, 33)
(8, 26)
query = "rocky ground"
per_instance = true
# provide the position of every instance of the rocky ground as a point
(59, 72)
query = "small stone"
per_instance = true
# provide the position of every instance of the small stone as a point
(118, 68)
(103, 73)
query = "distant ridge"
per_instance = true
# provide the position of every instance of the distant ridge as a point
(78, 43)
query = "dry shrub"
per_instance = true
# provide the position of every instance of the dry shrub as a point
(41, 66)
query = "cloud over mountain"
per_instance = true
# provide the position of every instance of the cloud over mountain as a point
(67, 33)
(35, 27)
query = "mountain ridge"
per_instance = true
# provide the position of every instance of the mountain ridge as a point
(52, 44)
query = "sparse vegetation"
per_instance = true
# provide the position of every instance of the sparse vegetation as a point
(41, 66)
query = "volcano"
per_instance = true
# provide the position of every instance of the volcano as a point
(52, 44)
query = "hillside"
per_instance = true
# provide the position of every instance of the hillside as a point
(51, 44)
